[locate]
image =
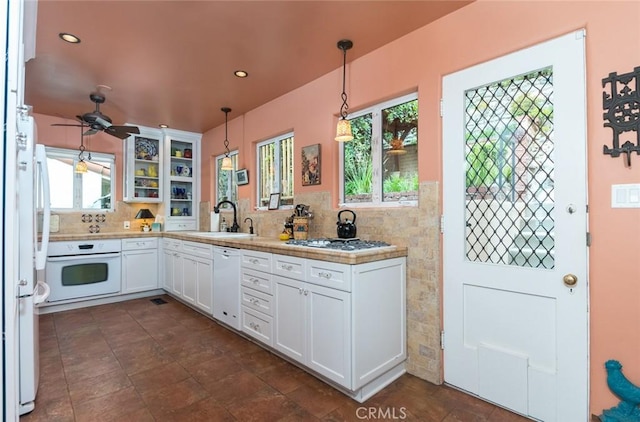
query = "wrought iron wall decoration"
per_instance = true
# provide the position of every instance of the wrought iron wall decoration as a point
(621, 103)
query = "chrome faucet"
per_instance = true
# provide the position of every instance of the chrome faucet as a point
(234, 227)
(250, 224)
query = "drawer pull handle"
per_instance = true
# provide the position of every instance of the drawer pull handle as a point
(254, 261)
(254, 326)
(287, 267)
(255, 281)
(300, 290)
(306, 292)
(324, 275)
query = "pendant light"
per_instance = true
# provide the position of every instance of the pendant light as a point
(81, 166)
(343, 131)
(227, 165)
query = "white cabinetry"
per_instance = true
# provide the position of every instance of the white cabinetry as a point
(344, 322)
(143, 158)
(312, 322)
(256, 295)
(139, 264)
(188, 272)
(198, 275)
(182, 174)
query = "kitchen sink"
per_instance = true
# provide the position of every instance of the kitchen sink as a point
(220, 235)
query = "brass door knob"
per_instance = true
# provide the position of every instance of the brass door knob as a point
(570, 280)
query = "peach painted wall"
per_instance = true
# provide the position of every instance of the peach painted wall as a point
(476, 33)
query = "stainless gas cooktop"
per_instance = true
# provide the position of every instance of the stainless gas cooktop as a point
(353, 244)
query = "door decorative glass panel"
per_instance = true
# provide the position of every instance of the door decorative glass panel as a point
(510, 171)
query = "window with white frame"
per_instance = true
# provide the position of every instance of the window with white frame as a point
(94, 189)
(275, 169)
(380, 165)
(227, 188)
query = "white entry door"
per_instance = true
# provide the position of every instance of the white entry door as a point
(515, 231)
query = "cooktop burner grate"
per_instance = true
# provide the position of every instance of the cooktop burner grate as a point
(339, 244)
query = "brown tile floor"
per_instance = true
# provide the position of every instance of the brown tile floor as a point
(137, 361)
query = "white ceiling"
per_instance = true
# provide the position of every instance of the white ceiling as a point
(172, 61)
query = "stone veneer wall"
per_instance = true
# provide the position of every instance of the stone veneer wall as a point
(417, 228)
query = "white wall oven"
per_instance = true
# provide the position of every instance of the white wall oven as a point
(82, 269)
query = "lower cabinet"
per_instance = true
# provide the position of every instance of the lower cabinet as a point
(312, 326)
(188, 272)
(139, 264)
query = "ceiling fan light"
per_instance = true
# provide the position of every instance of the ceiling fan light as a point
(81, 167)
(343, 131)
(227, 164)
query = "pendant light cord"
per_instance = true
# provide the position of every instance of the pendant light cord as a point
(226, 137)
(345, 107)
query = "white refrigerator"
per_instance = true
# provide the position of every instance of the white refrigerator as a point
(33, 228)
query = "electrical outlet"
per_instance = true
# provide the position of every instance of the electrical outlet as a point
(127, 225)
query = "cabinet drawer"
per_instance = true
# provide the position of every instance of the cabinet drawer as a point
(256, 280)
(257, 325)
(140, 243)
(171, 244)
(203, 250)
(289, 266)
(256, 300)
(172, 226)
(329, 274)
(256, 260)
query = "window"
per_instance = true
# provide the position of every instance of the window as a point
(227, 188)
(81, 191)
(275, 169)
(380, 165)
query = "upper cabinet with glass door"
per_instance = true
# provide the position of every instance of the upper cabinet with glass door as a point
(143, 181)
(182, 191)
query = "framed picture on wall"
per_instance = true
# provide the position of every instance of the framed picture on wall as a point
(274, 201)
(242, 177)
(311, 165)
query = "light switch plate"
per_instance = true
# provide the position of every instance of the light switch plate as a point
(625, 196)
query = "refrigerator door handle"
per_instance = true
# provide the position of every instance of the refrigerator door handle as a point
(39, 298)
(41, 253)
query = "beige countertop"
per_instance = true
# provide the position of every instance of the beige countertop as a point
(264, 244)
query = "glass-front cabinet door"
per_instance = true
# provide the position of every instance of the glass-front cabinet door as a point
(143, 181)
(182, 191)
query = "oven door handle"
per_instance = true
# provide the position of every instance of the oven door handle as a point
(80, 257)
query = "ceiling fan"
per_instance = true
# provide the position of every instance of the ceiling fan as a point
(96, 121)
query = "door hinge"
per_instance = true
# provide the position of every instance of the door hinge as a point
(442, 224)
(441, 107)
(442, 339)
(588, 239)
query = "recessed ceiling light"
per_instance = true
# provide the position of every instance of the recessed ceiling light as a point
(241, 73)
(70, 38)
(163, 126)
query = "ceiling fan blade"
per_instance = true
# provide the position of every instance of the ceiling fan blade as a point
(64, 124)
(129, 129)
(115, 132)
(90, 132)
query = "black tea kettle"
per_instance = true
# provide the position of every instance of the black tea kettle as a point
(346, 229)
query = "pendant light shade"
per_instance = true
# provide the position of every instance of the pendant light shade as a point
(343, 131)
(227, 164)
(81, 167)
